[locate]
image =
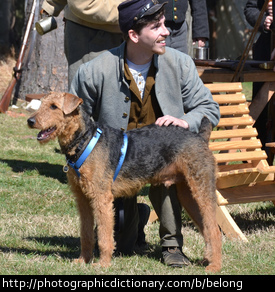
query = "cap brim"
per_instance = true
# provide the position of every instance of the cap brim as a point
(154, 9)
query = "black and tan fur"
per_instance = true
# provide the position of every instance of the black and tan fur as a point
(155, 155)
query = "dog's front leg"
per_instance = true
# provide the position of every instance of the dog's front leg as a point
(104, 216)
(86, 227)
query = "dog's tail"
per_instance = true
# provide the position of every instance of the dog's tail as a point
(205, 129)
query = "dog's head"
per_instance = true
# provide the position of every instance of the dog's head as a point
(53, 115)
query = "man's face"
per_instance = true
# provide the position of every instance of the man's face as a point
(152, 37)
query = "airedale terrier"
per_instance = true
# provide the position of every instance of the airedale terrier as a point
(155, 155)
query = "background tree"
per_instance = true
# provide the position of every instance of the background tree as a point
(7, 26)
(45, 64)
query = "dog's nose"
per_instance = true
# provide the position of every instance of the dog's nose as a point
(31, 121)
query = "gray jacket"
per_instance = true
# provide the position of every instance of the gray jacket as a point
(179, 90)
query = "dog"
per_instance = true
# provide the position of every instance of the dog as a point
(154, 155)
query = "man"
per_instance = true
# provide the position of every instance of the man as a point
(261, 51)
(175, 15)
(90, 28)
(139, 83)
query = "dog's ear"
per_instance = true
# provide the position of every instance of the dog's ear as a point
(71, 102)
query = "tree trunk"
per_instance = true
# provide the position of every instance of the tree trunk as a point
(6, 14)
(45, 66)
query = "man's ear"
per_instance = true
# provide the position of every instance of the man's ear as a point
(70, 103)
(133, 36)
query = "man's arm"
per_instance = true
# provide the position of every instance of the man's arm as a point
(252, 12)
(54, 7)
(200, 26)
(197, 99)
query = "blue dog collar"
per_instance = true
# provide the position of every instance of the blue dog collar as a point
(122, 156)
(85, 153)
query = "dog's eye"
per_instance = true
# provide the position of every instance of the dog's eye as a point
(53, 107)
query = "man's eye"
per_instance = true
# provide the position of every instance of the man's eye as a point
(156, 25)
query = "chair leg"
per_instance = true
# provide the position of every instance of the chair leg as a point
(228, 225)
(224, 219)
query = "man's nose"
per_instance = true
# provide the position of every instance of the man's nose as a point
(166, 32)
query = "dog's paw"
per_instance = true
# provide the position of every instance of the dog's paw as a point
(81, 260)
(102, 264)
(213, 268)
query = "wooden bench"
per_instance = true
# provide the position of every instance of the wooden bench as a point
(244, 175)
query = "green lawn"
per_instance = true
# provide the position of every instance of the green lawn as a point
(247, 90)
(40, 228)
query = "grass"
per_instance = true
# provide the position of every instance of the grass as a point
(247, 90)
(39, 223)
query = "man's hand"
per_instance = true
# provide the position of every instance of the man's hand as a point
(168, 120)
(201, 42)
(269, 18)
(267, 22)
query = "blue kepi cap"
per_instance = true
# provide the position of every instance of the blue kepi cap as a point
(132, 10)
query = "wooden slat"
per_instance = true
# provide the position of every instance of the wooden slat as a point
(262, 191)
(225, 87)
(235, 178)
(226, 169)
(266, 169)
(241, 144)
(236, 121)
(234, 109)
(227, 134)
(153, 216)
(240, 156)
(261, 167)
(229, 98)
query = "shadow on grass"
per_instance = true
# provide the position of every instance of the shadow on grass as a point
(68, 247)
(71, 249)
(260, 218)
(44, 168)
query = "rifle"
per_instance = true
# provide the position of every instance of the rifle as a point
(232, 64)
(6, 98)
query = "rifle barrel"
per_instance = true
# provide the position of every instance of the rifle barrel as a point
(6, 98)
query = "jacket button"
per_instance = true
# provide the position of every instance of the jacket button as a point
(175, 17)
(125, 115)
(127, 98)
